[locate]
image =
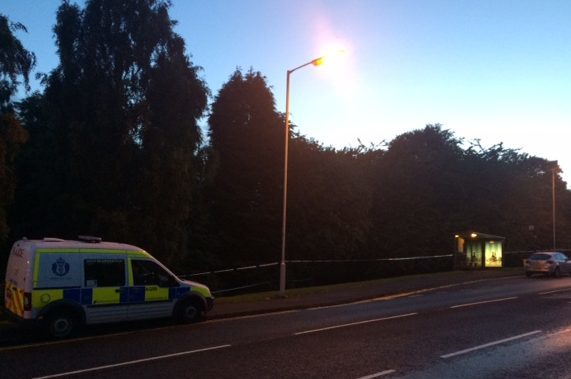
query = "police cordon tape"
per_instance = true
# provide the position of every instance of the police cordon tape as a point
(313, 261)
(248, 287)
(264, 265)
(369, 260)
(267, 284)
(510, 259)
(229, 270)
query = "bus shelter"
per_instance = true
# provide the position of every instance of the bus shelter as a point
(475, 250)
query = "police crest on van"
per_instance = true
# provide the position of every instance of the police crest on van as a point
(60, 267)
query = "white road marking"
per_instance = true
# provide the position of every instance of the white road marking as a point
(378, 374)
(137, 361)
(483, 302)
(404, 294)
(101, 336)
(277, 313)
(554, 291)
(489, 344)
(354, 323)
(69, 341)
(88, 338)
(338, 305)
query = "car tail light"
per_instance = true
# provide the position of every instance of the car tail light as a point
(27, 301)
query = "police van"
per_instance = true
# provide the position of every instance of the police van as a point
(65, 284)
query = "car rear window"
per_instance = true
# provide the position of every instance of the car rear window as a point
(540, 257)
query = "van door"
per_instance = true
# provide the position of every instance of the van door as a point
(149, 291)
(17, 271)
(106, 277)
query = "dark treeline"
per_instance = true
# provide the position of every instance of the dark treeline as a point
(112, 147)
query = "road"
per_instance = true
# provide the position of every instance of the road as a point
(503, 328)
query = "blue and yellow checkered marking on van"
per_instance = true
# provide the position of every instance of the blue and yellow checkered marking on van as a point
(110, 295)
(43, 297)
(142, 294)
(178, 292)
(82, 296)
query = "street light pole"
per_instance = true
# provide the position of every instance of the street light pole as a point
(315, 62)
(553, 204)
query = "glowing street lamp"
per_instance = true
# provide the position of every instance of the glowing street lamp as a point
(315, 62)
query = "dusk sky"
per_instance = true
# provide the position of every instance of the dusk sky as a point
(497, 70)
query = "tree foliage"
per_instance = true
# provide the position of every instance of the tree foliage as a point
(427, 187)
(418, 199)
(246, 135)
(118, 128)
(15, 62)
(329, 202)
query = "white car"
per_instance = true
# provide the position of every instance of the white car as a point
(547, 263)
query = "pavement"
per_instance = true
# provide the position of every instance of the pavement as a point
(245, 305)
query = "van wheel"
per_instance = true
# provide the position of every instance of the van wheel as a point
(190, 311)
(61, 324)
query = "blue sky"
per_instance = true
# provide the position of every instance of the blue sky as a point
(495, 70)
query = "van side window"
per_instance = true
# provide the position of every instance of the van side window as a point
(147, 273)
(104, 272)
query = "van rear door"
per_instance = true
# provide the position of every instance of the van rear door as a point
(17, 298)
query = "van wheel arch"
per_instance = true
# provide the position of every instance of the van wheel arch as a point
(62, 320)
(190, 309)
